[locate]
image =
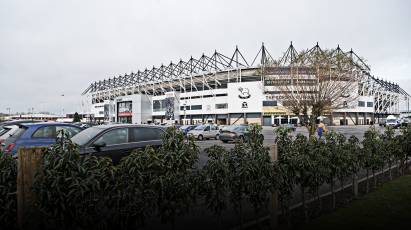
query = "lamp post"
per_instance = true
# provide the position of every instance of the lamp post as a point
(62, 107)
(8, 109)
(185, 103)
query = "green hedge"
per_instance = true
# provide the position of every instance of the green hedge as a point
(164, 183)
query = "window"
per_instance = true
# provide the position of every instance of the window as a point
(45, 132)
(269, 103)
(182, 108)
(146, 134)
(361, 104)
(114, 137)
(196, 107)
(221, 106)
(71, 131)
(370, 104)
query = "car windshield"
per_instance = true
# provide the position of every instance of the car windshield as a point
(86, 135)
(391, 121)
(201, 127)
(184, 126)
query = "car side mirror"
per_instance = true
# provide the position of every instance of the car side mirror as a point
(98, 146)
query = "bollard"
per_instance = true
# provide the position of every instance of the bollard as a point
(29, 161)
(274, 196)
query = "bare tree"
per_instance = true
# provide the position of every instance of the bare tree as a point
(315, 82)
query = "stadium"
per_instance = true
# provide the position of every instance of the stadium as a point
(231, 90)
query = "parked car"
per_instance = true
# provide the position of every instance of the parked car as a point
(205, 131)
(15, 122)
(392, 121)
(84, 125)
(117, 140)
(289, 126)
(7, 131)
(37, 134)
(186, 128)
(234, 132)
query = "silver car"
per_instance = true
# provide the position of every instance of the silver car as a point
(206, 131)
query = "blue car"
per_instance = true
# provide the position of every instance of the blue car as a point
(38, 134)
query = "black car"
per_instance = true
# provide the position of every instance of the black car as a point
(117, 140)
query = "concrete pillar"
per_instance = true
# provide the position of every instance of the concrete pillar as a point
(228, 119)
(356, 118)
(345, 118)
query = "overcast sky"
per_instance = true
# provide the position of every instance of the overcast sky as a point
(49, 48)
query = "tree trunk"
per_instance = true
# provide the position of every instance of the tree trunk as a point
(333, 194)
(375, 179)
(389, 169)
(355, 185)
(304, 204)
(367, 187)
(320, 203)
(342, 188)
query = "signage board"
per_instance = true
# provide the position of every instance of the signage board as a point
(245, 97)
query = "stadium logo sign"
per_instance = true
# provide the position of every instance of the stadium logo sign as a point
(244, 105)
(244, 93)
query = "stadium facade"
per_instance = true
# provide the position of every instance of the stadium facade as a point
(230, 90)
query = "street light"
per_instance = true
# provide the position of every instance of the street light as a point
(185, 103)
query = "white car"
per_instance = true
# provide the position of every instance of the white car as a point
(391, 121)
(7, 132)
(206, 131)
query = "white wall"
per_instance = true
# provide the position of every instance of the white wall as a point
(141, 107)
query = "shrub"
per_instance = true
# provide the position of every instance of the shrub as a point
(251, 172)
(215, 181)
(177, 181)
(136, 196)
(74, 191)
(8, 187)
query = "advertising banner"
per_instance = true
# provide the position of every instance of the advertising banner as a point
(125, 109)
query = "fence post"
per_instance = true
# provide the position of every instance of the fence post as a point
(29, 160)
(274, 196)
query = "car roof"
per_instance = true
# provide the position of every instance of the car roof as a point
(108, 126)
(45, 124)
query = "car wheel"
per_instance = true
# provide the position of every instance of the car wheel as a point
(200, 137)
(224, 141)
(217, 136)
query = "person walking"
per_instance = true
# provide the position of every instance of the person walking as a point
(321, 129)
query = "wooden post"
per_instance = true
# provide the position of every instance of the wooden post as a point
(274, 196)
(29, 161)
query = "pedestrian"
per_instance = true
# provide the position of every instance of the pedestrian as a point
(321, 128)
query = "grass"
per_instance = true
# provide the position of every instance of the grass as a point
(389, 206)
